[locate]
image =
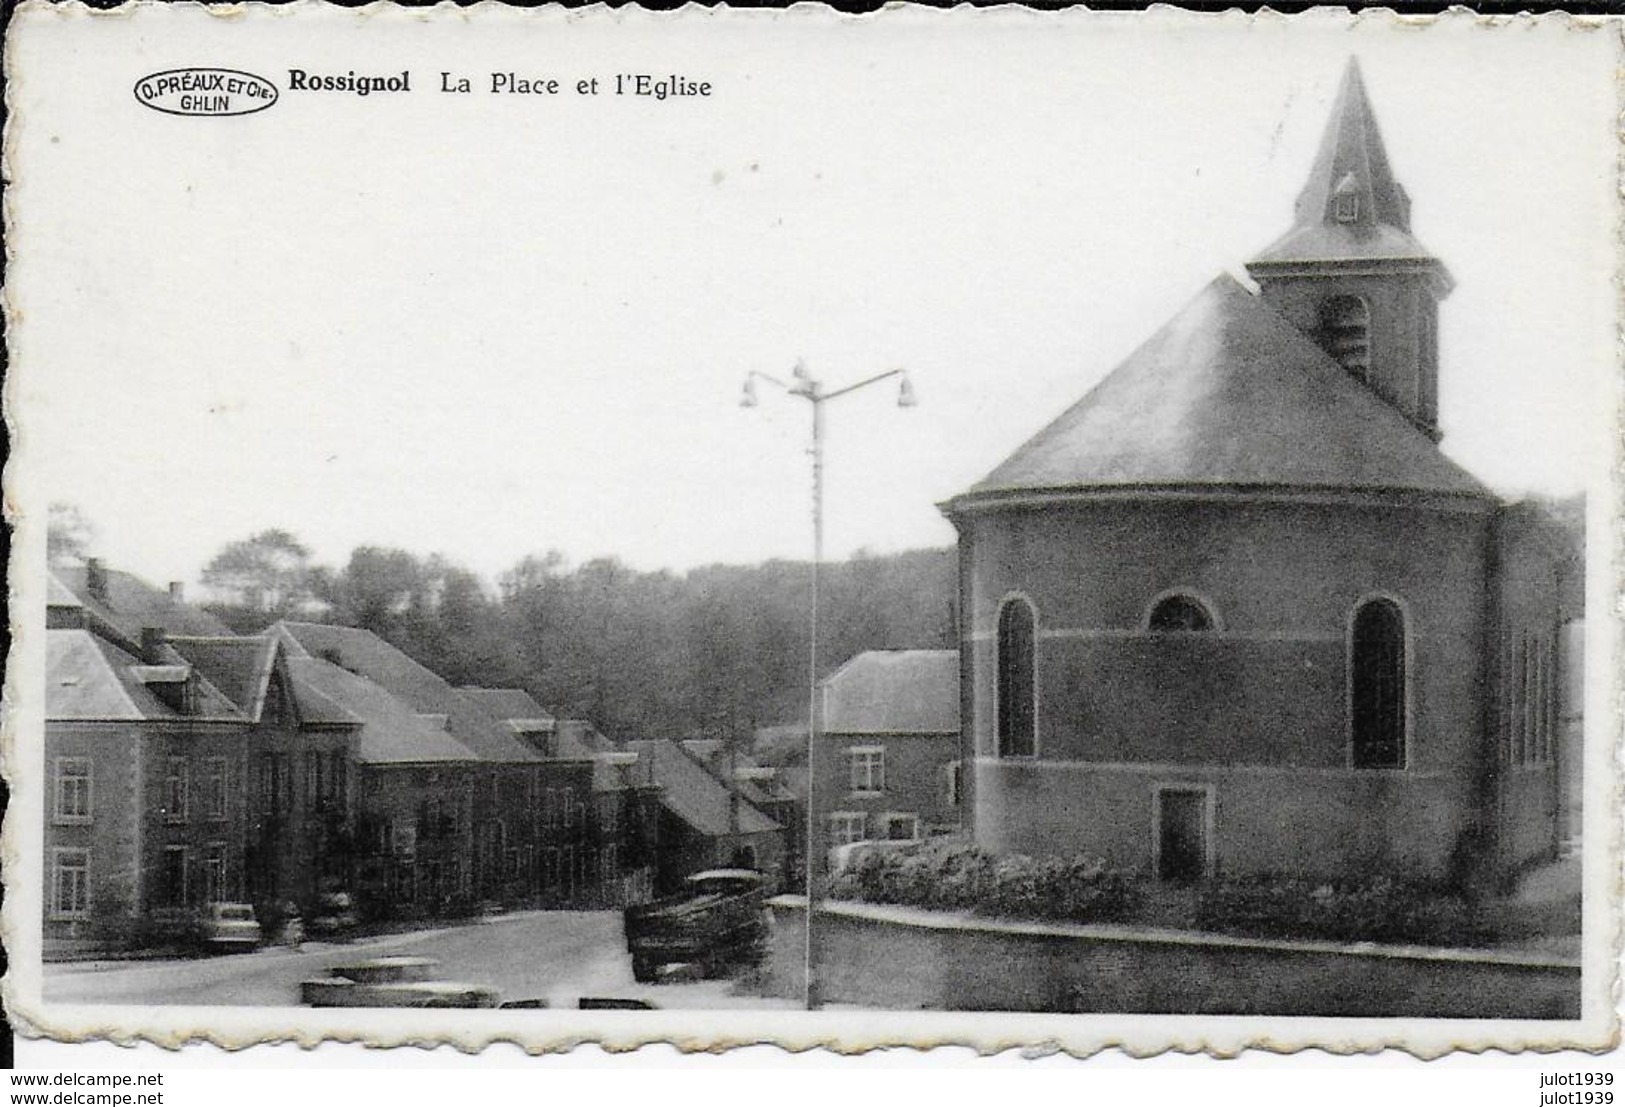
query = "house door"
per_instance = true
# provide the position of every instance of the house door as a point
(1182, 834)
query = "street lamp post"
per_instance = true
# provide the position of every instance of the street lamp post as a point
(805, 386)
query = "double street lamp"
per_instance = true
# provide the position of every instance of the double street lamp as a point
(807, 387)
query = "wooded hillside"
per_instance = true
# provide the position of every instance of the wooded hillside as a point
(715, 651)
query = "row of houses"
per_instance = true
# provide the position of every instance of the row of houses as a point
(186, 764)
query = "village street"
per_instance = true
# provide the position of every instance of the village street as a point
(558, 956)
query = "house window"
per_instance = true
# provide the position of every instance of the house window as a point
(265, 771)
(214, 788)
(1347, 207)
(1377, 686)
(953, 781)
(172, 877)
(1015, 683)
(901, 827)
(214, 874)
(284, 776)
(73, 790)
(1179, 613)
(177, 780)
(1344, 332)
(70, 883)
(846, 827)
(612, 863)
(866, 768)
(611, 816)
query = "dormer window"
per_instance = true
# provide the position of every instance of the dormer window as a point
(1346, 200)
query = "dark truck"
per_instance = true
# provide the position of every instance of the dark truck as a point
(718, 920)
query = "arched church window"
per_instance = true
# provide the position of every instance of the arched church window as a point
(1179, 613)
(1015, 679)
(1344, 332)
(1377, 686)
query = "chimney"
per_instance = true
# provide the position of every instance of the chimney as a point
(177, 592)
(96, 579)
(153, 640)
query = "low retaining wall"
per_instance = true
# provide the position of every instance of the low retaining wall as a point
(899, 958)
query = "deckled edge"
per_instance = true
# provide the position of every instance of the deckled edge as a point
(621, 1033)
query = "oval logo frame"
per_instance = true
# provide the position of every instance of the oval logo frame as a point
(204, 90)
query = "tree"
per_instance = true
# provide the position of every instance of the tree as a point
(69, 535)
(267, 575)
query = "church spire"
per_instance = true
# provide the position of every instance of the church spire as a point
(1351, 182)
(1349, 273)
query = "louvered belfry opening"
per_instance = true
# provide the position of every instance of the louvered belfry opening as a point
(1015, 707)
(1345, 333)
(1377, 682)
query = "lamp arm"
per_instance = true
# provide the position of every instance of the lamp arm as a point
(861, 384)
(769, 378)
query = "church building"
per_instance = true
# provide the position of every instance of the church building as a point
(1235, 613)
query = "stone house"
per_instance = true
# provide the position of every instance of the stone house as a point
(888, 747)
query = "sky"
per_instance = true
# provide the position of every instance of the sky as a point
(491, 325)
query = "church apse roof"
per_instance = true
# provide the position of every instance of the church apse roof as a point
(1229, 393)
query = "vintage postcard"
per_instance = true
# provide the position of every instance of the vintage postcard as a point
(1012, 529)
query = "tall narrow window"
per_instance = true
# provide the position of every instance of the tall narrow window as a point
(215, 774)
(1015, 706)
(1344, 332)
(177, 775)
(70, 884)
(214, 873)
(73, 790)
(1377, 686)
(172, 888)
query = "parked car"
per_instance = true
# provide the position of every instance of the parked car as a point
(334, 916)
(226, 927)
(716, 921)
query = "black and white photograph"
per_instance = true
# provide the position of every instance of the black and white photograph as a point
(981, 527)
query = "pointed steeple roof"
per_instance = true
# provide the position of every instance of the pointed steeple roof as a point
(1228, 394)
(1352, 208)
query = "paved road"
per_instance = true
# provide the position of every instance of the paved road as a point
(558, 956)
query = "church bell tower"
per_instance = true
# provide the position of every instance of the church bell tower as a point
(1350, 275)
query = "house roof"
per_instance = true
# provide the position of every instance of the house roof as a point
(692, 794)
(894, 692)
(422, 691)
(1229, 393)
(507, 704)
(90, 678)
(1352, 163)
(390, 733)
(239, 667)
(131, 604)
(713, 754)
